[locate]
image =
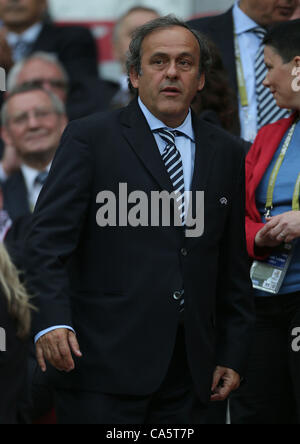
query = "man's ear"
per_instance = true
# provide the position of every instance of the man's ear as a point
(201, 83)
(134, 78)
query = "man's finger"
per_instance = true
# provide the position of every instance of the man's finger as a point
(74, 344)
(40, 358)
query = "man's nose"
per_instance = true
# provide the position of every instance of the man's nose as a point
(172, 71)
(33, 121)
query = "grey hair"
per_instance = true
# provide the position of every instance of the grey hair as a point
(134, 55)
(12, 79)
(58, 105)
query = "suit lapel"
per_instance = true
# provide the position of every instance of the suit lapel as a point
(15, 196)
(205, 151)
(227, 46)
(139, 136)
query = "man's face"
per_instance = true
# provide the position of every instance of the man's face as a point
(127, 27)
(33, 125)
(46, 75)
(169, 78)
(268, 12)
(280, 79)
(21, 13)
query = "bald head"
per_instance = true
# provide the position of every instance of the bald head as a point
(125, 27)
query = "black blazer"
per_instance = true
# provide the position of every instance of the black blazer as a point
(13, 371)
(76, 49)
(115, 285)
(74, 46)
(15, 197)
(220, 29)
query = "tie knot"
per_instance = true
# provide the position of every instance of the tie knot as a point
(169, 136)
(41, 178)
(259, 32)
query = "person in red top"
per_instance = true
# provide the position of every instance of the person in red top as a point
(271, 393)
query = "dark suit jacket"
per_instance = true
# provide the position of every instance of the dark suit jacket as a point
(13, 368)
(220, 29)
(15, 196)
(74, 46)
(115, 285)
(77, 51)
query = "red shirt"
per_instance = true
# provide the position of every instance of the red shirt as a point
(257, 162)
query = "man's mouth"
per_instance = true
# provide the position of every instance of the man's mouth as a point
(171, 91)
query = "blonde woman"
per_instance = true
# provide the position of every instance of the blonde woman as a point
(15, 320)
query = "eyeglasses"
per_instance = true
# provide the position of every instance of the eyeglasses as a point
(39, 114)
(40, 83)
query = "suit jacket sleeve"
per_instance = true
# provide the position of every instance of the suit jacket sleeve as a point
(56, 229)
(235, 305)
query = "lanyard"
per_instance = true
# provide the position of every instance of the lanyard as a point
(273, 177)
(240, 74)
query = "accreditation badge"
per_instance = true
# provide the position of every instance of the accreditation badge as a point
(269, 275)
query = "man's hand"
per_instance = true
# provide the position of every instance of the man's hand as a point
(56, 347)
(225, 381)
(11, 162)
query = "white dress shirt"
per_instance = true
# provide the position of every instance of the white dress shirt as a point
(33, 188)
(185, 144)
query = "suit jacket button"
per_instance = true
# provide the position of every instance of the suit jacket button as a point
(177, 295)
(184, 252)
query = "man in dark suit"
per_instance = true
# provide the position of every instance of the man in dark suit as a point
(33, 121)
(244, 19)
(157, 311)
(27, 32)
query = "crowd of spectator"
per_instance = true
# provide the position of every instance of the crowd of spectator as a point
(53, 79)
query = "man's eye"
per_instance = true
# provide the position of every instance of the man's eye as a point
(185, 63)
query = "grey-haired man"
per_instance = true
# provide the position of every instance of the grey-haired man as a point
(156, 314)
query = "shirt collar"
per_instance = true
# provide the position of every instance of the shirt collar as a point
(243, 23)
(30, 174)
(29, 36)
(186, 128)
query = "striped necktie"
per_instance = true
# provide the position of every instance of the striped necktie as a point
(20, 50)
(173, 162)
(267, 109)
(41, 178)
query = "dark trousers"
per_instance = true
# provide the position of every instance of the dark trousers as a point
(271, 394)
(171, 404)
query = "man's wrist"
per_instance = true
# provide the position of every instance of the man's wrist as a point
(48, 330)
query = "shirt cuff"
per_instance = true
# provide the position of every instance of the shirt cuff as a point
(56, 327)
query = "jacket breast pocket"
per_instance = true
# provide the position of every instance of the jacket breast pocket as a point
(216, 211)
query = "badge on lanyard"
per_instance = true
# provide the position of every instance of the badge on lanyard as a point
(269, 275)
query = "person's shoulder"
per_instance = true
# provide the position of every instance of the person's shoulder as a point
(223, 140)
(204, 23)
(95, 123)
(70, 32)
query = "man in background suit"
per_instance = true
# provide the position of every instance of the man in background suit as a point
(157, 313)
(33, 122)
(27, 32)
(243, 21)
(123, 30)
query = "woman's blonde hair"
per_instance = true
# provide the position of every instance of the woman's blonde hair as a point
(19, 306)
